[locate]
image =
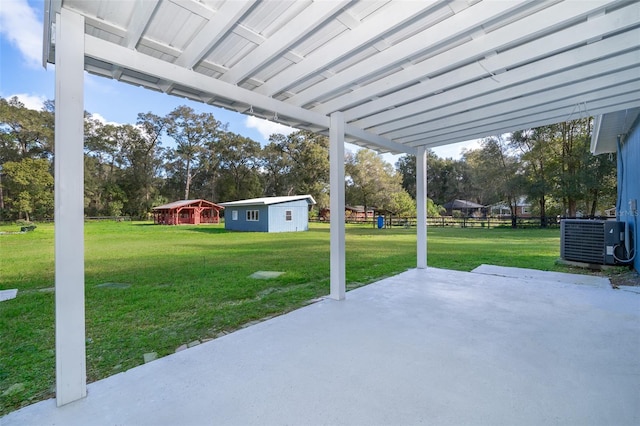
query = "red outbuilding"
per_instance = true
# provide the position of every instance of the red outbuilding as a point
(187, 212)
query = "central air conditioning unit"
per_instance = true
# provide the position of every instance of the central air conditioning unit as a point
(600, 242)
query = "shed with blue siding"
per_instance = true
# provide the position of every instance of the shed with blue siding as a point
(269, 214)
(619, 132)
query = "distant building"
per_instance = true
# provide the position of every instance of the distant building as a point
(351, 213)
(466, 208)
(269, 214)
(187, 212)
(523, 209)
(358, 213)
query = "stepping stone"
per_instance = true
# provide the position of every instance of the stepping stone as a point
(181, 348)
(194, 343)
(13, 389)
(150, 356)
(113, 285)
(8, 294)
(264, 275)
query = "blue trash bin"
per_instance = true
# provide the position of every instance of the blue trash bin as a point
(380, 222)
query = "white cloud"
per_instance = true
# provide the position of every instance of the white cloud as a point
(101, 119)
(21, 27)
(35, 102)
(455, 150)
(267, 128)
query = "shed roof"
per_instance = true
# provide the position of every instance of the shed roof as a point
(183, 203)
(403, 74)
(462, 204)
(265, 201)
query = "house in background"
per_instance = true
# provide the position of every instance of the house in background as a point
(619, 132)
(187, 212)
(269, 214)
(357, 213)
(466, 208)
(351, 213)
(523, 209)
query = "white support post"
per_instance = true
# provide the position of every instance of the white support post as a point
(421, 200)
(71, 377)
(336, 161)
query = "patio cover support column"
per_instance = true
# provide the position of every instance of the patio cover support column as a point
(421, 200)
(71, 377)
(336, 161)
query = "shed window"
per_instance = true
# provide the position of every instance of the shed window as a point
(287, 215)
(234, 214)
(253, 215)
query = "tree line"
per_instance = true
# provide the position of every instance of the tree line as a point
(550, 166)
(130, 168)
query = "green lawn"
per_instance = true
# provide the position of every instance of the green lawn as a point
(175, 285)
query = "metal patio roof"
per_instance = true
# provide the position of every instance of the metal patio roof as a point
(403, 73)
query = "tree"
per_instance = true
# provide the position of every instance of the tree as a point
(536, 161)
(600, 177)
(434, 210)
(406, 167)
(26, 133)
(449, 179)
(401, 204)
(142, 153)
(498, 172)
(370, 180)
(577, 179)
(191, 132)
(275, 167)
(29, 187)
(303, 166)
(239, 167)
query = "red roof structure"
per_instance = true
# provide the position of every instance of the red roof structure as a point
(187, 212)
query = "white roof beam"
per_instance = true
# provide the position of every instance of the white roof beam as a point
(567, 94)
(338, 48)
(126, 58)
(530, 78)
(196, 7)
(481, 47)
(142, 12)
(570, 83)
(308, 20)
(540, 103)
(452, 27)
(528, 122)
(130, 59)
(377, 140)
(218, 26)
(105, 26)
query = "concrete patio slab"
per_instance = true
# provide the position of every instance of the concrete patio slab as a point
(549, 276)
(427, 346)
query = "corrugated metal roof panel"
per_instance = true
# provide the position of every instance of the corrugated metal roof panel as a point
(264, 201)
(430, 73)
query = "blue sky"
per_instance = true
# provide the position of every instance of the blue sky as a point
(22, 75)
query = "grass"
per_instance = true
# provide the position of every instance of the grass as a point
(180, 284)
